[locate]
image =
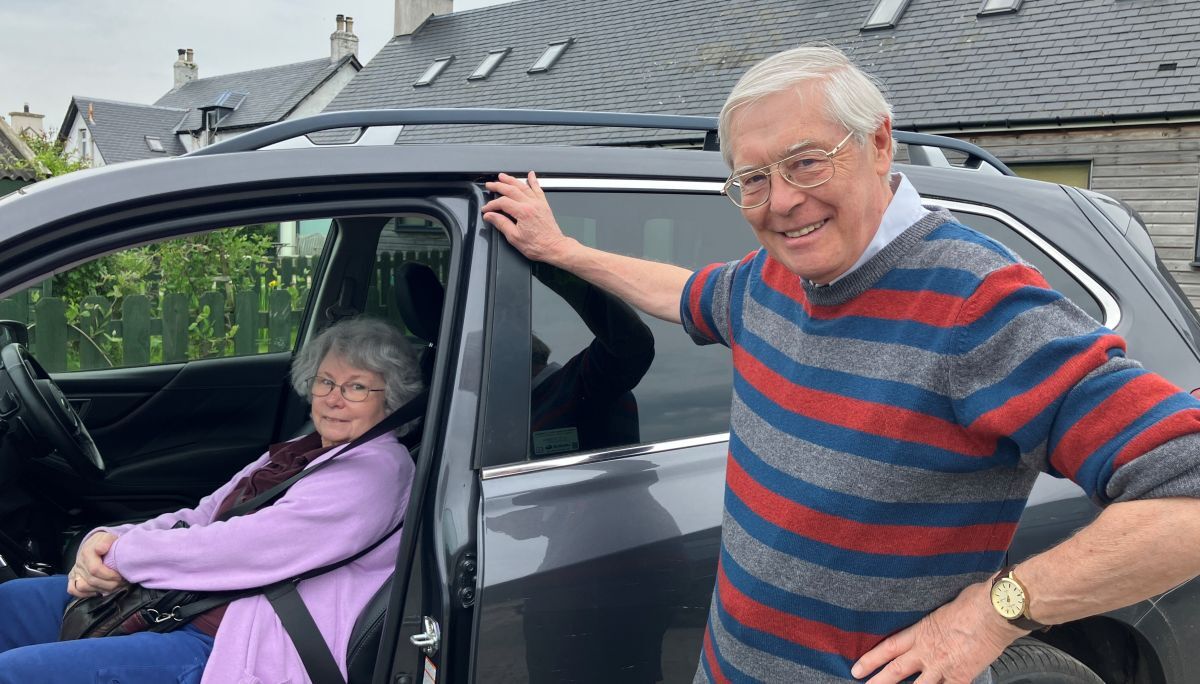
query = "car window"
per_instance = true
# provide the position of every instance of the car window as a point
(233, 291)
(406, 239)
(604, 375)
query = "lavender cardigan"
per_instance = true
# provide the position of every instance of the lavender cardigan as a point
(320, 520)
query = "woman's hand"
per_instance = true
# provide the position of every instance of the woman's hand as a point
(90, 576)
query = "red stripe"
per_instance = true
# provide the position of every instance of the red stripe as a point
(1097, 427)
(694, 295)
(710, 655)
(1165, 430)
(922, 306)
(1021, 408)
(868, 417)
(896, 540)
(808, 633)
(999, 286)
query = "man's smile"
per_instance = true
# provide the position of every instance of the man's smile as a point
(805, 230)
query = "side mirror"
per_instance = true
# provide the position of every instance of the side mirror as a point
(12, 331)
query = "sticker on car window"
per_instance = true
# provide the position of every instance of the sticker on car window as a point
(556, 441)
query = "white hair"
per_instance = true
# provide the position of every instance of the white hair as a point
(853, 98)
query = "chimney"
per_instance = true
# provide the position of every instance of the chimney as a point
(343, 42)
(26, 123)
(185, 69)
(410, 14)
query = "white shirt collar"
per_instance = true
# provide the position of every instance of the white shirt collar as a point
(904, 210)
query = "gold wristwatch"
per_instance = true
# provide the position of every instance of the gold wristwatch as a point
(1011, 600)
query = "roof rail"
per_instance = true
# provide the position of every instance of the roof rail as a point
(367, 118)
(925, 149)
(919, 143)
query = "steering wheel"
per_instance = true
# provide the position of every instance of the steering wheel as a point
(46, 413)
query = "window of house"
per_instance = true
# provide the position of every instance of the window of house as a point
(1076, 173)
(154, 143)
(999, 6)
(885, 14)
(488, 65)
(220, 293)
(434, 70)
(550, 56)
(85, 149)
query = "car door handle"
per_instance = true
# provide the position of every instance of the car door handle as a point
(428, 640)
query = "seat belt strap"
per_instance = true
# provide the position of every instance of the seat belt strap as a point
(314, 652)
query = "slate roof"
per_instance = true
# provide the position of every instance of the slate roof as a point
(943, 66)
(271, 93)
(13, 152)
(119, 129)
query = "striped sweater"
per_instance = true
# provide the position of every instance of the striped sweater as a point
(887, 429)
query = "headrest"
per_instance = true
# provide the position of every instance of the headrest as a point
(419, 296)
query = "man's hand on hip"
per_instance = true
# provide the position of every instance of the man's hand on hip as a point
(951, 645)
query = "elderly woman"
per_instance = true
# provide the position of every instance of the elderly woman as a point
(355, 373)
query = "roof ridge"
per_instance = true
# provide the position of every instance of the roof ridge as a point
(260, 69)
(86, 98)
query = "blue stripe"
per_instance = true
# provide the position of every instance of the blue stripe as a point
(868, 511)
(781, 648)
(940, 279)
(850, 441)
(903, 333)
(877, 391)
(1097, 469)
(878, 622)
(1031, 372)
(961, 233)
(856, 562)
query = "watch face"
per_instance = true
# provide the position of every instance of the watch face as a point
(1007, 598)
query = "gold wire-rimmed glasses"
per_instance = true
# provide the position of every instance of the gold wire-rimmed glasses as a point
(352, 391)
(804, 169)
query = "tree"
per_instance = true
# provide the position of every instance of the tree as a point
(50, 157)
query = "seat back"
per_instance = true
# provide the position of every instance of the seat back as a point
(364, 639)
(419, 300)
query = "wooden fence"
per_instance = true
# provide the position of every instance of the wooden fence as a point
(265, 317)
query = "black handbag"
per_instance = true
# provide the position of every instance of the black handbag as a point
(133, 608)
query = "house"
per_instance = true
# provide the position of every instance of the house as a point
(200, 111)
(1097, 93)
(17, 165)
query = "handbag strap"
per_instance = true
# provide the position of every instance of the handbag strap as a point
(411, 410)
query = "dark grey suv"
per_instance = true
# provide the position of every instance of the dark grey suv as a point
(553, 535)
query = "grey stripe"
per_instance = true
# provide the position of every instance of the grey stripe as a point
(843, 589)
(762, 666)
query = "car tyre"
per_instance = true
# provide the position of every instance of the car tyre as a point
(1029, 661)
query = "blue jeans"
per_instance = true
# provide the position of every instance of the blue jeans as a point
(30, 652)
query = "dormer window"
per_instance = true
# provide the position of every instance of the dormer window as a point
(550, 56)
(434, 70)
(488, 65)
(999, 6)
(886, 14)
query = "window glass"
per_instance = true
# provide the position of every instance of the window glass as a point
(234, 291)
(605, 375)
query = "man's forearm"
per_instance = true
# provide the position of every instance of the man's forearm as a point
(1132, 551)
(650, 286)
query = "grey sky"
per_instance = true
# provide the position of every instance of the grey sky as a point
(124, 49)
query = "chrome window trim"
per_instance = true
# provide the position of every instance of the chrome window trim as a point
(1108, 303)
(629, 184)
(493, 472)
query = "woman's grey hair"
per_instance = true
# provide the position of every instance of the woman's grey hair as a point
(368, 344)
(853, 98)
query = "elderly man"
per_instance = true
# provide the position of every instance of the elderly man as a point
(900, 380)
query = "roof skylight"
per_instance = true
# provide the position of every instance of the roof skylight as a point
(998, 6)
(885, 14)
(434, 70)
(488, 65)
(154, 143)
(550, 56)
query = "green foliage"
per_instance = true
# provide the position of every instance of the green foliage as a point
(49, 157)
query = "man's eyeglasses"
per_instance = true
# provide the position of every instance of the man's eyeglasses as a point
(352, 391)
(806, 169)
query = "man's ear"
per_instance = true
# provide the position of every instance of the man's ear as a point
(881, 141)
